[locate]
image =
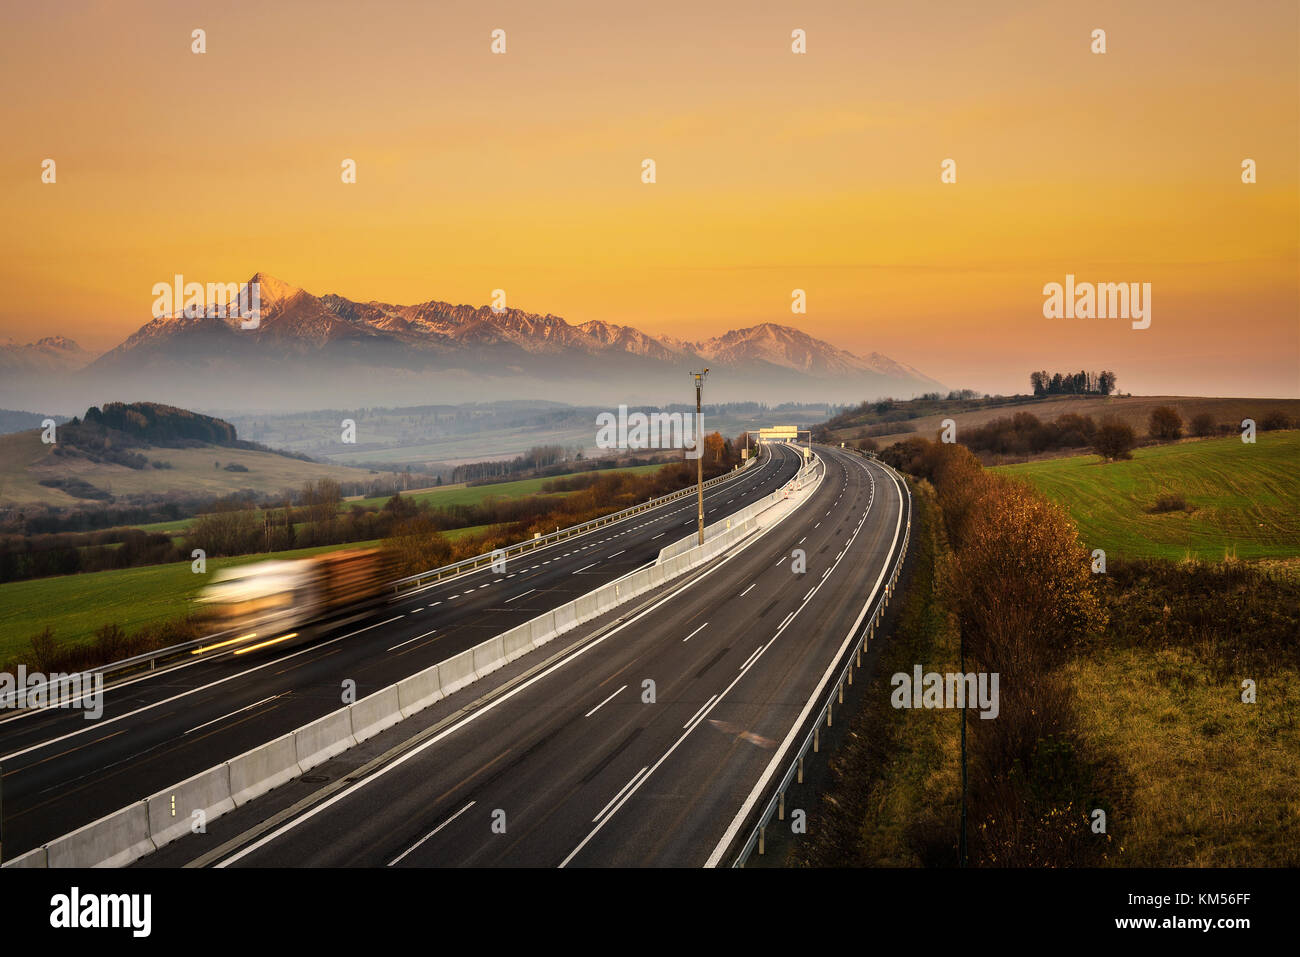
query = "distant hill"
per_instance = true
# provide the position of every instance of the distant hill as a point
(12, 420)
(897, 424)
(311, 351)
(143, 451)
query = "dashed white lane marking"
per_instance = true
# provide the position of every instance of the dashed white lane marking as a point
(409, 640)
(431, 833)
(605, 702)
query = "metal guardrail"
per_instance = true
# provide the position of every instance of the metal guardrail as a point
(853, 659)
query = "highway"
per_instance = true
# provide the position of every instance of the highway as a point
(61, 771)
(576, 766)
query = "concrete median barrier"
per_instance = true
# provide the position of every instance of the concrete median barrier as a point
(325, 737)
(171, 812)
(606, 597)
(457, 671)
(419, 691)
(566, 617)
(543, 628)
(33, 858)
(587, 607)
(489, 656)
(255, 772)
(518, 641)
(112, 841)
(375, 712)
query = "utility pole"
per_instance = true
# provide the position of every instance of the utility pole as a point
(699, 447)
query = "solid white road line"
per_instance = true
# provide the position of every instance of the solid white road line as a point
(692, 718)
(618, 795)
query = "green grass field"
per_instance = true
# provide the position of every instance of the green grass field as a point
(1244, 499)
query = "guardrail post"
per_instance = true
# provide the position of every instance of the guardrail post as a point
(762, 833)
(801, 769)
(842, 690)
(817, 741)
(828, 714)
(780, 807)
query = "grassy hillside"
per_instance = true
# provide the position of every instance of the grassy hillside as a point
(1243, 499)
(1134, 410)
(25, 461)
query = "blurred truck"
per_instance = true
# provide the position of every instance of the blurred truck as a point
(272, 602)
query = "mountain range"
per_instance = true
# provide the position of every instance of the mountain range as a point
(329, 351)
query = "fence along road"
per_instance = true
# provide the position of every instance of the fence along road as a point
(579, 768)
(62, 771)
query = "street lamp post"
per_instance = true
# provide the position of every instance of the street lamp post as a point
(699, 447)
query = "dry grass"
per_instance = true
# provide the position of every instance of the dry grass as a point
(1212, 782)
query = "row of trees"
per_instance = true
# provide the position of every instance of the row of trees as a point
(1019, 581)
(1073, 383)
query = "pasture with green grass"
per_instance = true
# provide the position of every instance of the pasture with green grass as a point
(1243, 500)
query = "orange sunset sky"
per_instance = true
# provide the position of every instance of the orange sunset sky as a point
(775, 171)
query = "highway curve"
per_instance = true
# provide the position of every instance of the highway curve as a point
(572, 766)
(62, 771)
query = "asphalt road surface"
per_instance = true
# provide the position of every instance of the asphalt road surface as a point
(579, 766)
(62, 771)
